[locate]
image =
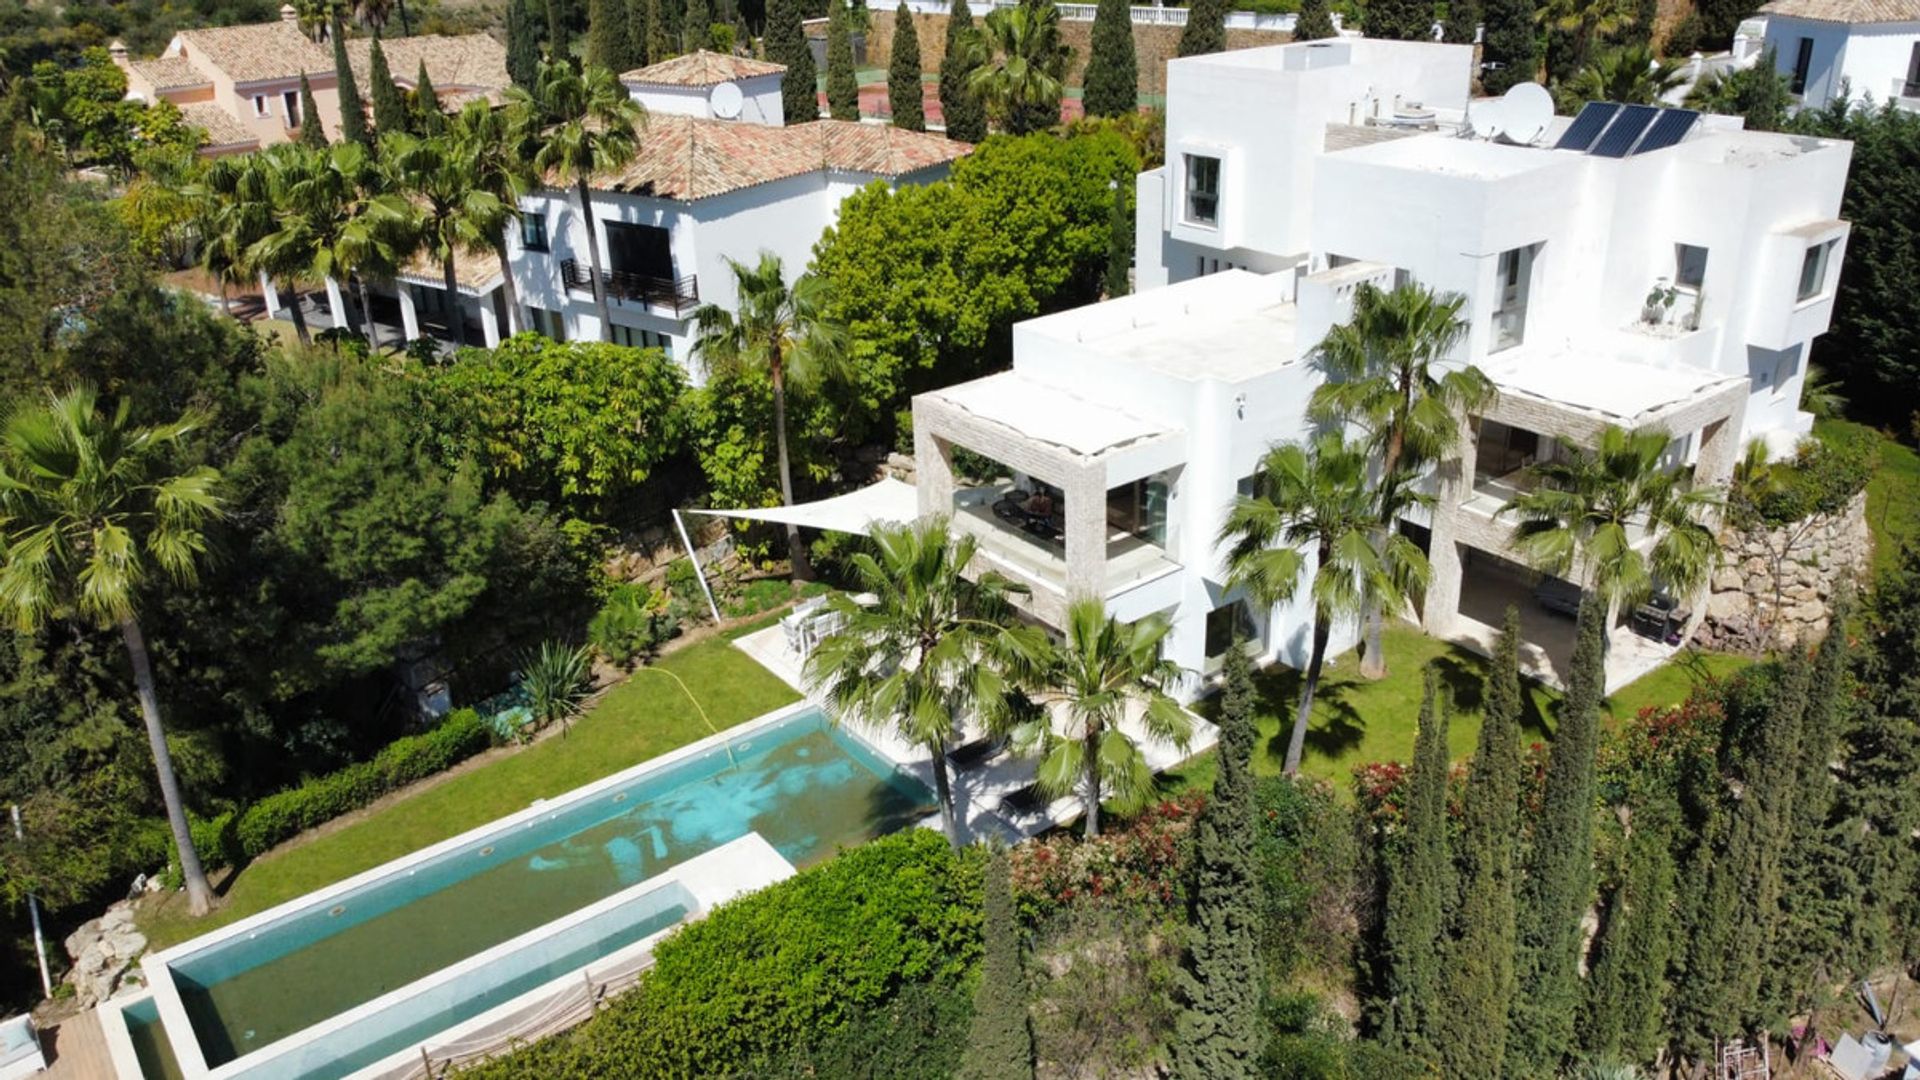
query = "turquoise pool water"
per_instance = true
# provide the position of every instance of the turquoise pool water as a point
(802, 785)
(150, 1043)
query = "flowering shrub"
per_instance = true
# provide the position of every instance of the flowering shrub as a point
(1143, 864)
(1381, 787)
(1658, 745)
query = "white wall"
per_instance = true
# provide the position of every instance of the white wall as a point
(760, 100)
(1867, 58)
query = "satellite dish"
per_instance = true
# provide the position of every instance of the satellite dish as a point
(1525, 110)
(725, 101)
(1487, 117)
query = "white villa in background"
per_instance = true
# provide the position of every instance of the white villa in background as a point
(1296, 173)
(1865, 50)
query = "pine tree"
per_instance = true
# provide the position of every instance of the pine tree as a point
(523, 44)
(964, 114)
(428, 120)
(389, 103)
(1559, 878)
(353, 115)
(659, 35)
(1206, 29)
(559, 47)
(1314, 23)
(1507, 53)
(696, 26)
(311, 133)
(1470, 1031)
(1419, 882)
(1000, 1042)
(1627, 990)
(1119, 241)
(904, 92)
(843, 87)
(1398, 20)
(608, 37)
(786, 44)
(1218, 1033)
(1113, 74)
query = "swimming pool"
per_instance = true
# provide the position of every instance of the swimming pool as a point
(801, 784)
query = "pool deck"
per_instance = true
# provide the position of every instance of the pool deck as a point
(76, 1049)
(984, 793)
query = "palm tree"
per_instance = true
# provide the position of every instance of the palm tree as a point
(89, 512)
(482, 141)
(1318, 496)
(1103, 669)
(1581, 521)
(1588, 21)
(1383, 372)
(232, 212)
(929, 651)
(333, 220)
(449, 213)
(580, 124)
(1018, 61)
(785, 332)
(1629, 74)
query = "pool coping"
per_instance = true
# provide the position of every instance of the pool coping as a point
(113, 1029)
(156, 966)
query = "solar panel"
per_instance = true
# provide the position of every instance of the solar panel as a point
(1586, 127)
(1670, 128)
(1626, 128)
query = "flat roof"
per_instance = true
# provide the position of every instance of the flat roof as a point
(1621, 391)
(1450, 155)
(1230, 326)
(1043, 412)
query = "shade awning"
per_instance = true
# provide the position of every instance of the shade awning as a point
(887, 501)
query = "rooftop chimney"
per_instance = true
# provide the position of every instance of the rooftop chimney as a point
(288, 13)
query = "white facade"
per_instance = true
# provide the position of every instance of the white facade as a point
(1865, 62)
(1324, 166)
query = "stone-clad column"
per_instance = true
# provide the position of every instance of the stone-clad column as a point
(1086, 521)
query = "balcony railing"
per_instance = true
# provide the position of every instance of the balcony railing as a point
(676, 294)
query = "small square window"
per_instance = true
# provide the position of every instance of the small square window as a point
(1203, 190)
(533, 230)
(259, 104)
(1813, 271)
(1690, 266)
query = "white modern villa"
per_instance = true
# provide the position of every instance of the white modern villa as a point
(1863, 50)
(1632, 266)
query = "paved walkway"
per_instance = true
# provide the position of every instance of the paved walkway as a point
(76, 1049)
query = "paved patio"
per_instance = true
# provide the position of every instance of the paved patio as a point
(1546, 637)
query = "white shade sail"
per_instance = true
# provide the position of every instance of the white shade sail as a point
(887, 501)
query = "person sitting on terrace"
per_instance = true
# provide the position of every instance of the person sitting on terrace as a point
(1039, 504)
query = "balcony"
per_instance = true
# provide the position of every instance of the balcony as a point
(678, 295)
(1033, 549)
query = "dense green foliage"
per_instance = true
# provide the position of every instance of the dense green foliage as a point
(523, 43)
(389, 101)
(1019, 61)
(1399, 20)
(1625, 1011)
(964, 114)
(1113, 76)
(786, 44)
(843, 87)
(609, 42)
(1420, 884)
(779, 968)
(1509, 53)
(1760, 93)
(999, 1045)
(312, 135)
(1315, 22)
(1206, 29)
(905, 97)
(353, 113)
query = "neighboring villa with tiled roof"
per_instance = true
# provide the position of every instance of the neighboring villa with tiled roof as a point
(250, 75)
(1860, 49)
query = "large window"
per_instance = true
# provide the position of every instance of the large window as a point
(533, 230)
(1912, 87)
(1513, 280)
(1802, 64)
(291, 100)
(1203, 190)
(1140, 508)
(636, 338)
(1813, 271)
(1227, 624)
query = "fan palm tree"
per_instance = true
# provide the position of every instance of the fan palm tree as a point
(1581, 521)
(334, 221)
(482, 141)
(929, 651)
(449, 212)
(1102, 671)
(580, 123)
(1629, 74)
(786, 333)
(231, 212)
(1316, 513)
(1018, 61)
(1383, 370)
(1588, 21)
(91, 514)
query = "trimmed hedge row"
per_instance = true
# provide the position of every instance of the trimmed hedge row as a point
(789, 967)
(236, 837)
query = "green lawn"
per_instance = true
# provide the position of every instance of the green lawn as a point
(645, 716)
(1356, 720)
(1893, 502)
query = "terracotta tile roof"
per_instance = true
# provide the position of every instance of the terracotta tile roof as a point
(223, 131)
(468, 61)
(687, 158)
(1846, 11)
(168, 73)
(478, 271)
(701, 68)
(257, 53)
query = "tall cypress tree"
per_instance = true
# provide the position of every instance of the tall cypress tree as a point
(523, 44)
(786, 44)
(353, 115)
(961, 109)
(428, 119)
(311, 133)
(1627, 990)
(608, 38)
(1507, 51)
(696, 26)
(559, 43)
(1314, 23)
(843, 86)
(904, 91)
(1000, 1042)
(1206, 29)
(1470, 1032)
(639, 34)
(389, 103)
(1419, 882)
(1399, 20)
(1120, 240)
(1218, 1034)
(1762, 828)
(659, 35)
(1559, 879)
(1463, 18)
(1113, 73)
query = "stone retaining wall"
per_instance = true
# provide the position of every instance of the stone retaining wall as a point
(1814, 558)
